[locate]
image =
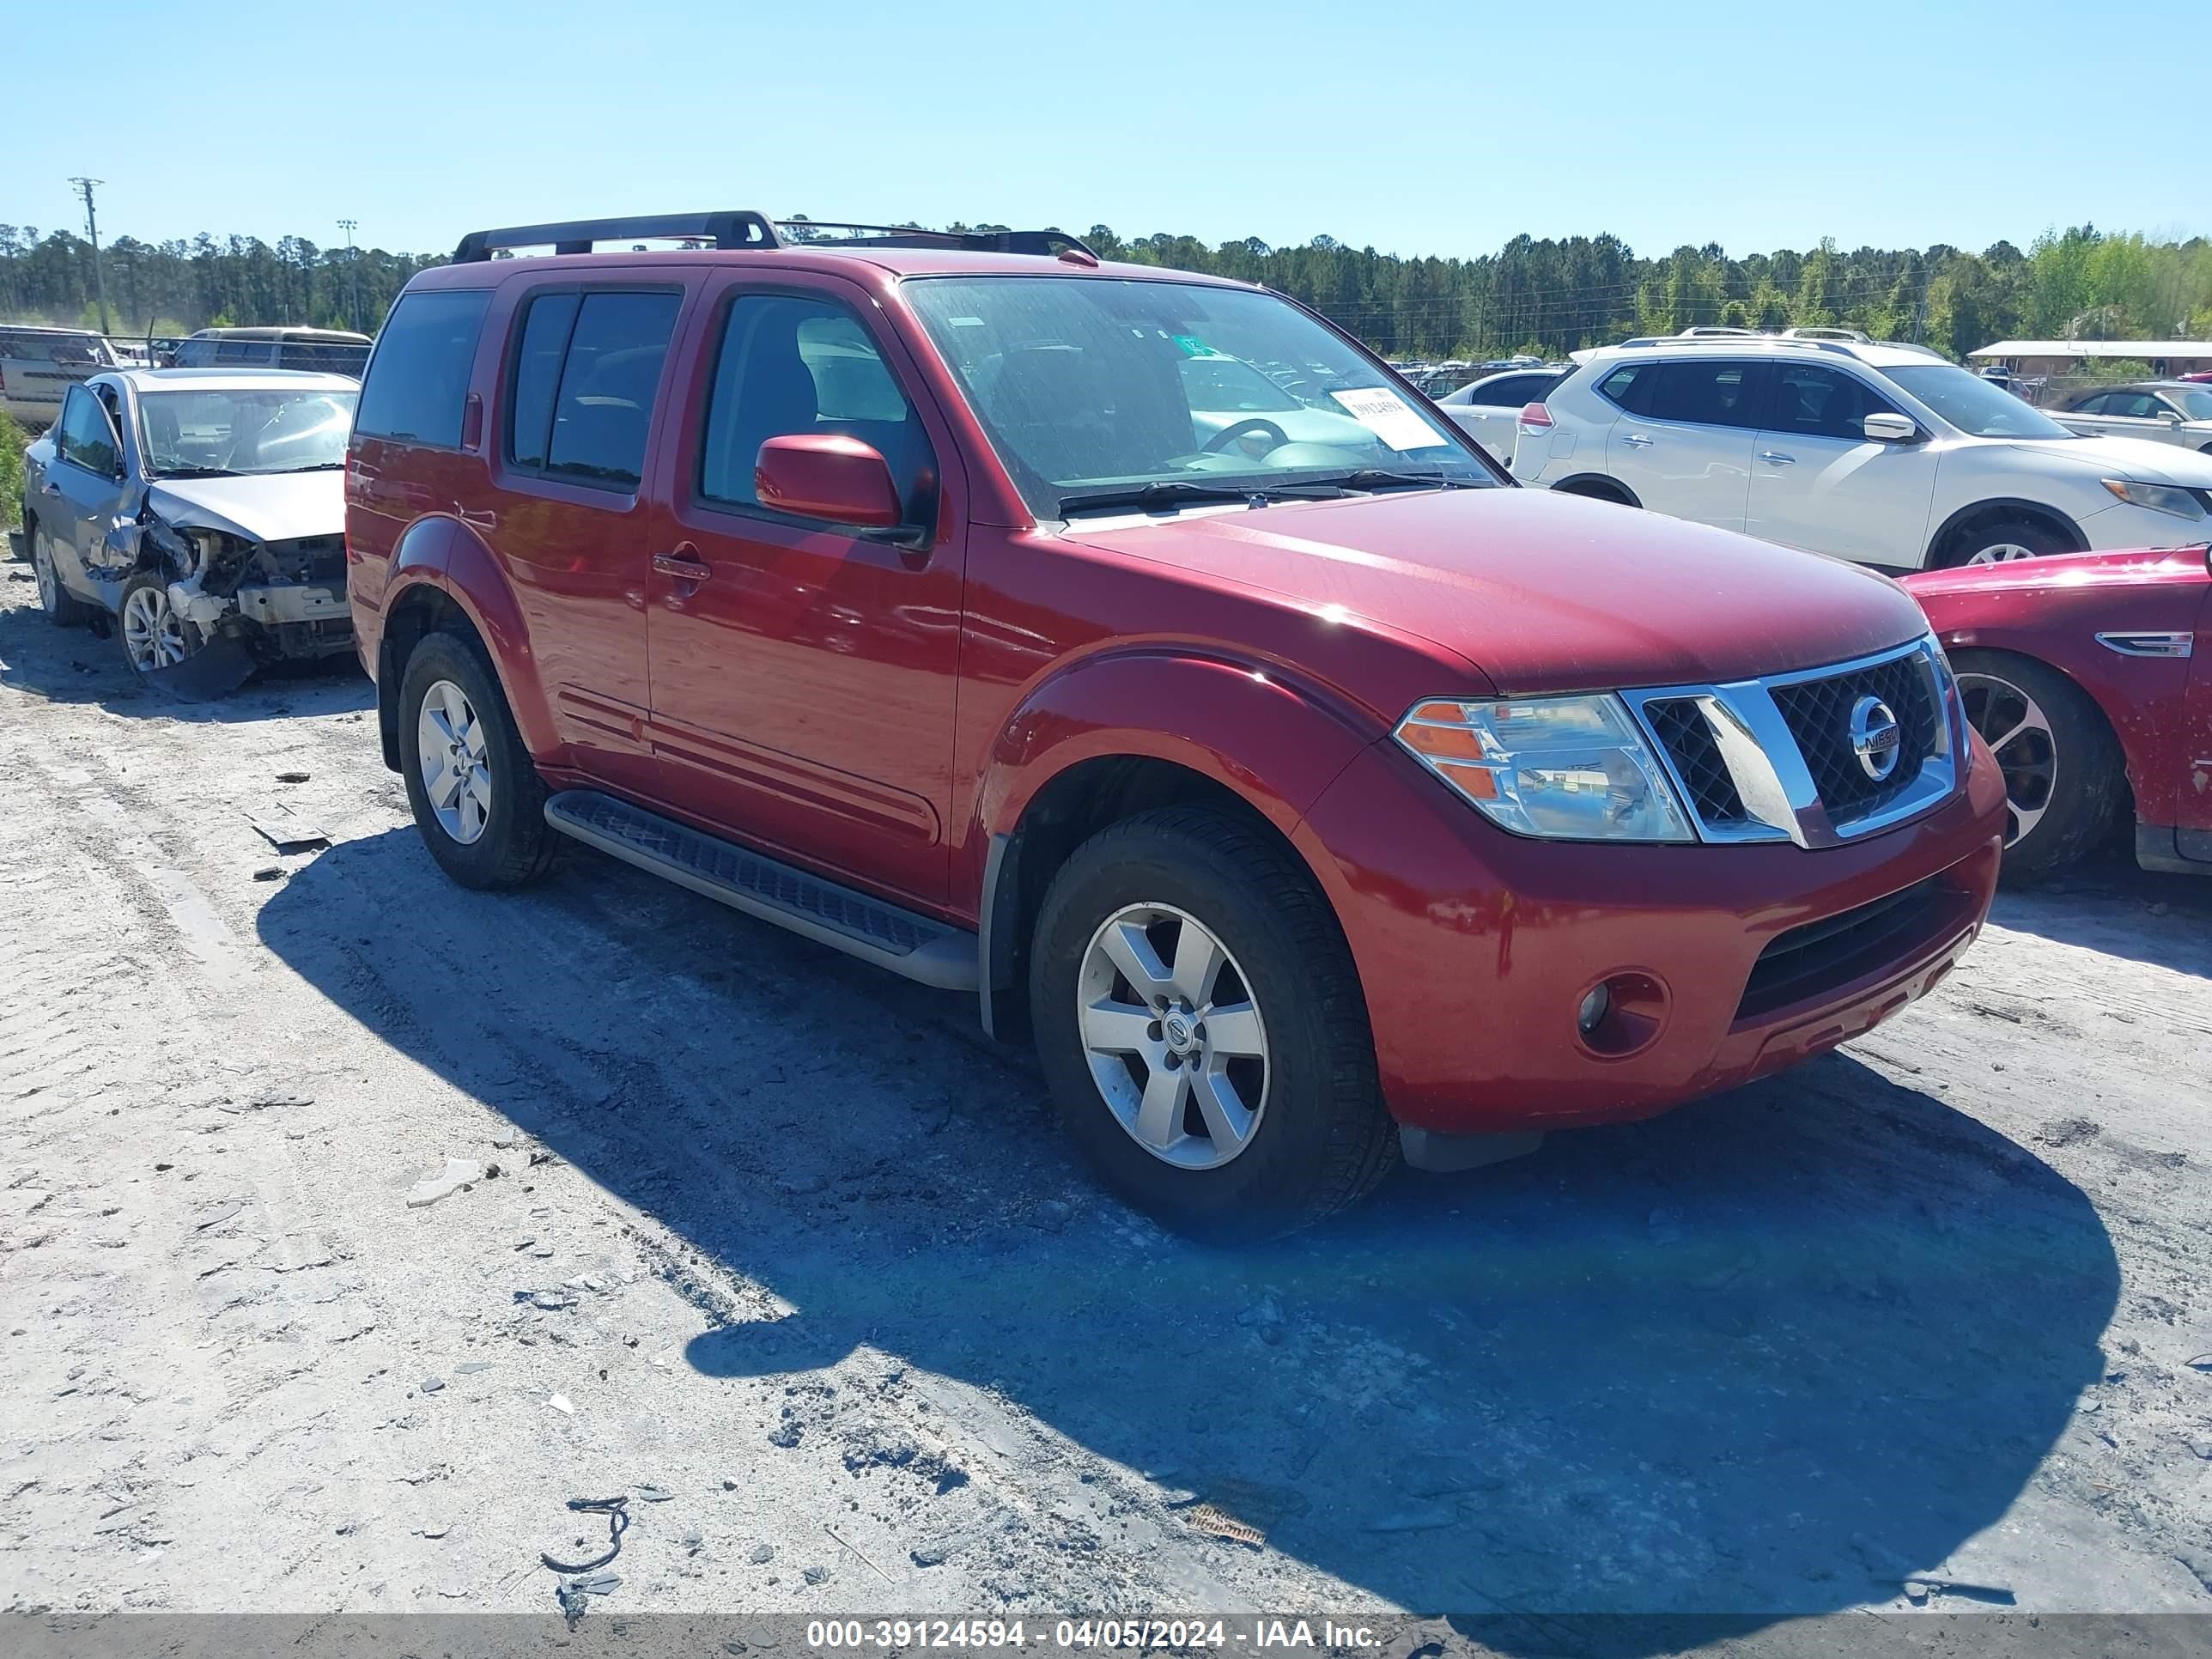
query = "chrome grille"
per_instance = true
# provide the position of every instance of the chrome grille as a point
(1773, 759)
(1820, 716)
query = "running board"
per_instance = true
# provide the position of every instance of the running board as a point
(916, 946)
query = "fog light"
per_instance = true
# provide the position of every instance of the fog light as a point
(1594, 1009)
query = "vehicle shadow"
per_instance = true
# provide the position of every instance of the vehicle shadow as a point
(75, 666)
(2110, 905)
(1760, 1357)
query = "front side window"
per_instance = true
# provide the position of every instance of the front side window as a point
(1979, 408)
(1709, 392)
(1080, 384)
(790, 367)
(88, 437)
(1816, 402)
(2137, 406)
(418, 375)
(206, 434)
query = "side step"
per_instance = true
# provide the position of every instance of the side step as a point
(917, 947)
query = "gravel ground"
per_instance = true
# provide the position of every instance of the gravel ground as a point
(781, 1249)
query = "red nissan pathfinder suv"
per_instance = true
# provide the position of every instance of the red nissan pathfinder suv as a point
(1134, 651)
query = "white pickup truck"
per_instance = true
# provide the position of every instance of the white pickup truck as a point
(2165, 411)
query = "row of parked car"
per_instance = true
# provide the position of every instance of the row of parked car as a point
(39, 365)
(1137, 653)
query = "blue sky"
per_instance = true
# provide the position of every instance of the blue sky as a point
(1418, 128)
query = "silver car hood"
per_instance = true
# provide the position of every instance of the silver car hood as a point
(277, 507)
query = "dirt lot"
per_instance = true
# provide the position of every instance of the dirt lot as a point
(784, 1241)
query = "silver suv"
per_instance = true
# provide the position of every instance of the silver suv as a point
(38, 366)
(1887, 454)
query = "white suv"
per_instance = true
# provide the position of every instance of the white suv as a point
(1886, 454)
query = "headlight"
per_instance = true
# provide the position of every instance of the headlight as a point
(1568, 768)
(2159, 498)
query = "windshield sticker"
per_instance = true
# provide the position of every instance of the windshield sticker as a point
(1388, 416)
(1194, 347)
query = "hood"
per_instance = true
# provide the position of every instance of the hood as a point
(1542, 592)
(279, 507)
(2138, 458)
(2052, 572)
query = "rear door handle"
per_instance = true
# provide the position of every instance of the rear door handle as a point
(1776, 457)
(684, 565)
(1636, 438)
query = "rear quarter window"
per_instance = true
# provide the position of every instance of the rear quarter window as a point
(418, 374)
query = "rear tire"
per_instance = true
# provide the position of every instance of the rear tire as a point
(2064, 774)
(63, 608)
(1597, 492)
(2001, 541)
(478, 801)
(1316, 1135)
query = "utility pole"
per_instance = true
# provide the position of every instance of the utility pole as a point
(353, 272)
(84, 188)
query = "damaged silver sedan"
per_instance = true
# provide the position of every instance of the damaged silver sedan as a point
(199, 515)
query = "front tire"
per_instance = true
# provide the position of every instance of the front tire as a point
(1202, 1027)
(2002, 541)
(2064, 774)
(479, 804)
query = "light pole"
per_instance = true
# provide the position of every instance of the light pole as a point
(84, 188)
(353, 272)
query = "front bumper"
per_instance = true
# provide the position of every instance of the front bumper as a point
(1475, 948)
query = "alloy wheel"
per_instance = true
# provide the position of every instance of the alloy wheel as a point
(153, 633)
(455, 773)
(1174, 1037)
(2000, 553)
(2019, 734)
(42, 567)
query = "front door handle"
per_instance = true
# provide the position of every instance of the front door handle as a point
(50, 488)
(684, 564)
(1776, 457)
(1637, 440)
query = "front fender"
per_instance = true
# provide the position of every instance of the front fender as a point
(1277, 743)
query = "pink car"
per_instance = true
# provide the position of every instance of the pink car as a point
(2090, 675)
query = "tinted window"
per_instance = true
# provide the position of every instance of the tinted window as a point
(87, 437)
(1710, 392)
(608, 377)
(243, 354)
(1630, 385)
(796, 366)
(2137, 405)
(419, 375)
(1823, 403)
(2092, 405)
(536, 375)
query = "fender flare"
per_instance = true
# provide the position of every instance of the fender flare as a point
(2001, 504)
(1273, 742)
(1611, 484)
(442, 553)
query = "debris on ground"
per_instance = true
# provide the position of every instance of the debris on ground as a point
(615, 1509)
(286, 831)
(458, 1175)
(560, 1402)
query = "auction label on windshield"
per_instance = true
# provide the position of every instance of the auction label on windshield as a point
(1388, 416)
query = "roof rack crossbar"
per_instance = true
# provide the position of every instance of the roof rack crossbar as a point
(1047, 242)
(738, 227)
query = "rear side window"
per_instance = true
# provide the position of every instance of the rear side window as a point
(792, 366)
(418, 376)
(244, 354)
(1629, 386)
(1708, 393)
(1515, 393)
(586, 373)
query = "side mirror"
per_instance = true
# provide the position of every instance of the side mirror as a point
(2172, 417)
(1891, 429)
(830, 477)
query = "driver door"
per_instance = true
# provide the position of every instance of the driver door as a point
(85, 486)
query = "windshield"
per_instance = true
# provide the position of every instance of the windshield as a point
(206, 432)
(1097, 387)
(2196, 404)
(1980, 408)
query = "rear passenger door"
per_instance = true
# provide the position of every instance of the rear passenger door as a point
(803, 673)
(1684, 444)
(1819, 482)
(585, 368)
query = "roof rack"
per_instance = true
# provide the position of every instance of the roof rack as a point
(741, 227)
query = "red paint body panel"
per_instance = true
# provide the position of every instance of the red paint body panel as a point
(879, 708)
(2053, 609)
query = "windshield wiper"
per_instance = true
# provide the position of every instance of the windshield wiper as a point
(196, 472)
(314, 466)
(1165, 495)
(1375, 477)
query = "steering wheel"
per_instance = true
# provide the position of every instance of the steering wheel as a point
(1229, 434)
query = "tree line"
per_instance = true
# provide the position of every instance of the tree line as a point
(1542, 295)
